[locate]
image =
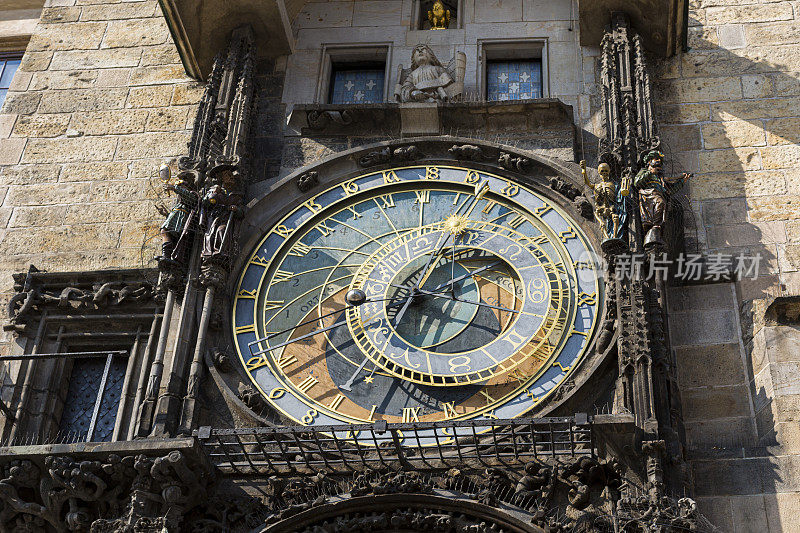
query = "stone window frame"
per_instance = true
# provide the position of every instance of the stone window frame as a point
(508, 49)
(380, 52)
(418, 17)
(97, 314)
(9, 56)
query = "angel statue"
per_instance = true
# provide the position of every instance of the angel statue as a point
(427, 80)
(610, 209)
(439, 16)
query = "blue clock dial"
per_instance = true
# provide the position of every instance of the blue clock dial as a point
(479, 299)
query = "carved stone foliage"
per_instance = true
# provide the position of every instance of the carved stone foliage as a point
(131, 493)
(307, 181)
(37, 291)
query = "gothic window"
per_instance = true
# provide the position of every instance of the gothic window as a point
(513, 79)
(8, 66)
(357, 84)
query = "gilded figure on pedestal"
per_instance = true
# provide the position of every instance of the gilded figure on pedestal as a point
(610, 207)
(654, 191)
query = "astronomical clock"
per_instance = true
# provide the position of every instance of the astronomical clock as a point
(415, 294)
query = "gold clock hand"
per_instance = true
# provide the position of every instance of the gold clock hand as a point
(451, 297)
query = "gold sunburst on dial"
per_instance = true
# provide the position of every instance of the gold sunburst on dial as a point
(456, 224)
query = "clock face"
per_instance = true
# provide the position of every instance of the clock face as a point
(416, 294)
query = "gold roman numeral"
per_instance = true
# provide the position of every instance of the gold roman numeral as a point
(300, 249)
(269, 305)
(285, 361)
(282, 275)
(449, 410)
(250, 328)
(323, 228)
(516, 222)
(307, 384)
(336, 402)
(411, 414)
(387, 200)
(488, 207)
(423, 197)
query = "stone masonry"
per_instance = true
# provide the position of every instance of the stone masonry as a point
(729, 110)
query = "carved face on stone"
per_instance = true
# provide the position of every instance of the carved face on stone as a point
(656, 165)
(423, 55)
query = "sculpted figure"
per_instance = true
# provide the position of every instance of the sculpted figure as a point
(428, 80)
(185, 202)
(220, 205)
(655, 190)
(439, 16)
(609, 199)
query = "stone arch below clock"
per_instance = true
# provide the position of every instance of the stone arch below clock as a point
(404, 513)
(557, 180)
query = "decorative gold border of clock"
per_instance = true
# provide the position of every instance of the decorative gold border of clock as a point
(555, 180)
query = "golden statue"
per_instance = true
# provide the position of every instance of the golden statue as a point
(609, 201)
(439, 16)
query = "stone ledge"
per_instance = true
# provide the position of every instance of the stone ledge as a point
(540, 116)
(101, 450)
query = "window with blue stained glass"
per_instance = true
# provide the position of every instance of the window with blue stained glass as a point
(357, 86)
(513, 79)
(8, 66)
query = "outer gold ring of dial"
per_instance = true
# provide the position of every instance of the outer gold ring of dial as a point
(567, 342)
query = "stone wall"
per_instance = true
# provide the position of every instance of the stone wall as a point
(729, 112)
(99, 102)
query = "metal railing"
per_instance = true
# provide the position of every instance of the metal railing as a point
(365, 447)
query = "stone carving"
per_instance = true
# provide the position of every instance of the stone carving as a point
(467, 152)
(514, 163)
(99, 296)
(221, 207)
(127, 492)
(654, 191)
(427, 80)
(610, 208)
(387, 155)
(317, 120)
(307, 181)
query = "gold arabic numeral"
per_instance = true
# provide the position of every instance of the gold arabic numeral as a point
(285, 361)
(309, 417)
(350, 187)
(516, 222)
(258, 260)
(283, 230)
(336, 402)
(313, 206)
(567, 234)
(307, 384)
(256, 362)
(449, 410)
(323, 228)
(247, 294)
(586, 298)
(510, 189)
(356, 214)
(423, 196)
(541, 210)
(410, 414)
(276, 393)
(390, 176)
(372, 413)
(530, 395)
(460, 362)
(281, 276)
(489, 399)
(432, 173)
(472, 177)
(488, 207)
(387, 201)
(249, 328)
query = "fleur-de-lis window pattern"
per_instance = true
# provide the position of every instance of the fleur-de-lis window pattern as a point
(357, 86)
(8, 67)
(513, 80)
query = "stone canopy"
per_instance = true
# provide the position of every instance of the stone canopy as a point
(201, 29)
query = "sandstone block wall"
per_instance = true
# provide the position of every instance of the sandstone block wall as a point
(99, 102)
(729, 111)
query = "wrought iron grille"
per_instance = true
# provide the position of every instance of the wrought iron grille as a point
(363, 447)
(95, 387)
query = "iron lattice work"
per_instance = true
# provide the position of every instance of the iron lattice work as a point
(365, 447)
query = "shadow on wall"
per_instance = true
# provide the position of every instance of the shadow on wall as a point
(723, 116)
